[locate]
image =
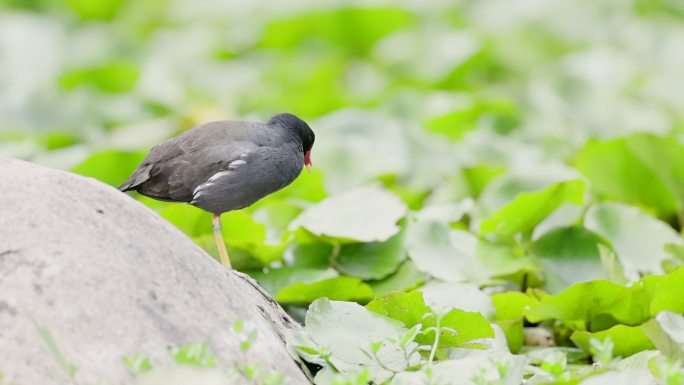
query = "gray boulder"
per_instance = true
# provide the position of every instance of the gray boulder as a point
(88, 276)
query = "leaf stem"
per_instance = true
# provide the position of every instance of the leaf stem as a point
(435, 344)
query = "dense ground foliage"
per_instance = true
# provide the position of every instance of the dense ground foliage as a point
(491, 177)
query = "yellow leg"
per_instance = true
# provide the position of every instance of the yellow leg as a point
(216, 221)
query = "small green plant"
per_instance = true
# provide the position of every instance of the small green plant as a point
(54, 349)
(602, 352)
(667, 370)
(137, 363)
(195, 354)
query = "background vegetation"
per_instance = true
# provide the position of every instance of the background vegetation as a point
(477, 163)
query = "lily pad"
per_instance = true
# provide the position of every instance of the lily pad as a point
(407, 277)
(373, 260)
(569, 255)
(619, 169)
(638, 238)
(364, 215)
(527, 210)
(459, 256)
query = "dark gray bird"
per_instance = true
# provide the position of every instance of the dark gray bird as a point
(225, 165)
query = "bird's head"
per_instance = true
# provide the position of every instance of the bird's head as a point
(301, 130)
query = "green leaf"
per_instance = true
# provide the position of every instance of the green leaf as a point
(364, 215)
(510, 308)
(527, 210)
(480, 175)
(638, 239)
(346, 329)
(306, 188)
(410, 309)
(274, 280)
(95, 10)
(667, 294)
(192, 221)
(628, 340)
(458, 256)
(618, 169)
(597, 305)
(116, 77)
(137, 363)
(666, 331)
(313, 255)
(57, 140)
(110, 166)
(407, 277)
(354, 29)
(456, 123)
(512, 305)
(195, 354)
(569, 255)
(240, 231)
(374, 260)
(464, 296)
(338, 288)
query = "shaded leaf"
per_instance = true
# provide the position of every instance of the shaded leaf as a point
(638, 239)
(569, 255)
(111, 167)
(407, 277)
(459, 256)
(628, 340)
(618, 168)
(274, 280)
(374, 260)
(527, 210)
(338, 288)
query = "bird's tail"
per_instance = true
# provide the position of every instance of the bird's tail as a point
(140, 176)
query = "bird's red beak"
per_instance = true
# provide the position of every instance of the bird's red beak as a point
(307, 161)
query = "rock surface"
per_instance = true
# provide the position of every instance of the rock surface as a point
(106, 277)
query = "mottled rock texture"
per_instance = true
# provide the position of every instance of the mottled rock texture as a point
(106, 278)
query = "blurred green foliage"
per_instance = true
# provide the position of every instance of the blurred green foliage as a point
(531, 150)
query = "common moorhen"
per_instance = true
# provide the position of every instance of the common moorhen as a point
(225, 165)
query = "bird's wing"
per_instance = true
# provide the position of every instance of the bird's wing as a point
(173, 169)
(176, 179)
(259, 172)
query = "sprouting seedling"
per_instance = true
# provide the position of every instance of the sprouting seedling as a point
(602, 351)
(372, 353)
(196, 354)
(668, 370)
(321, 353)
(554, 364)
(54, 349)
(245, 337)
(137, 363)
(437, 329)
